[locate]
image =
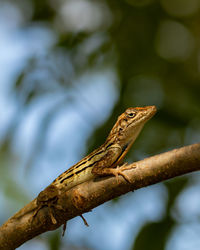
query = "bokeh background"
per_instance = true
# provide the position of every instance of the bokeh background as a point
(68, 68)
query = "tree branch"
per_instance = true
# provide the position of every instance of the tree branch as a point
(86, 196)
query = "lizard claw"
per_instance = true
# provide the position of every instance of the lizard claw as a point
(119, 171)
(84, 220)
(64, 228)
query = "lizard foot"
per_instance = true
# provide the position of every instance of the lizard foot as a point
(119, 171)
(54, 221)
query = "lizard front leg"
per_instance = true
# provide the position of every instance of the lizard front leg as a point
(108, 166)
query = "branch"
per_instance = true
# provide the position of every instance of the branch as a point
(86, 196)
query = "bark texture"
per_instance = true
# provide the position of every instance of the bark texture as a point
(22, 226)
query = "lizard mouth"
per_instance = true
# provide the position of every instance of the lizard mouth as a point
(151, 112)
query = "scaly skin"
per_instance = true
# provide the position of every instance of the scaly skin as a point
(103, 161)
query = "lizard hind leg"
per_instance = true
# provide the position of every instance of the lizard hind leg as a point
(36, 212)
(53, 219)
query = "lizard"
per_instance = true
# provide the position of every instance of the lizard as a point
(103, 161)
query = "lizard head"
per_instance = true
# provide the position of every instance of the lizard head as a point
(129, 124)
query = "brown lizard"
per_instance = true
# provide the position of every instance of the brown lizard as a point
(103, 161)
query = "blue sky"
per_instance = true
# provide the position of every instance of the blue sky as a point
(94, 95)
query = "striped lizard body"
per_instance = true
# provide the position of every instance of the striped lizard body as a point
(102, 161)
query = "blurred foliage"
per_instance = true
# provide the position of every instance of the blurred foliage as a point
(55, 241)
(153, 49)
(154, 235)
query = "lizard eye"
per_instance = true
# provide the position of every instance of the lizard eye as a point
(131, 115)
